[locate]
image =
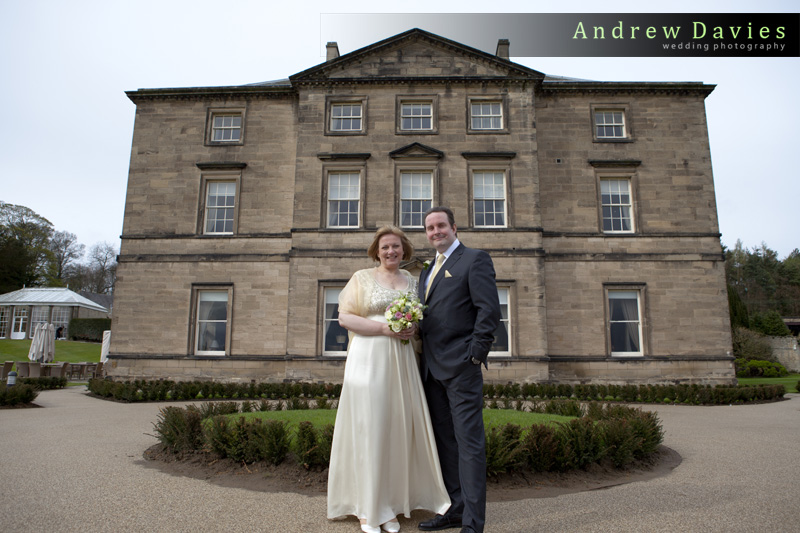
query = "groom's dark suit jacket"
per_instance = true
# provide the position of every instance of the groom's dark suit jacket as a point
(462, 315)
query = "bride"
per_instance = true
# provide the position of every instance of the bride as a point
(383, 457)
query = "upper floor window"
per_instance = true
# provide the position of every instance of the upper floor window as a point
(489, 198)
(616, 205)
(611, 123)
(416, 197)
(624, 321)
(225, 126)
(346, 117)
(344, 194)
(416, 116)
(486, 115)
(220, 205)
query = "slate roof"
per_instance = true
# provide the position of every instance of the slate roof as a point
(59, 297)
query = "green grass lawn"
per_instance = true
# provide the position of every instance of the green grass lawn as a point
(790, 382)
(491, 417)
(69, 351)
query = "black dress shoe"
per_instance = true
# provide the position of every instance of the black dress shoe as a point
(439, 521)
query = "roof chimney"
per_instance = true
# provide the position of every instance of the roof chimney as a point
(332, 50)
(502, 48)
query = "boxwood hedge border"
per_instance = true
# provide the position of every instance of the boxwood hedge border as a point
(613, 433)
(686, 394)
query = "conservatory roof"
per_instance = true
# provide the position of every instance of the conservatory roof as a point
(49, 296)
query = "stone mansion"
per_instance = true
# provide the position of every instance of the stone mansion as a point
(249, 207)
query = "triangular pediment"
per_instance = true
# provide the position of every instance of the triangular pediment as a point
(416, 54)
(416, 151)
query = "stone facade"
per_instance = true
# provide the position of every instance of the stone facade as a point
(280, 257)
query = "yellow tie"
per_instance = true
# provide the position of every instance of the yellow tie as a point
(439, 261)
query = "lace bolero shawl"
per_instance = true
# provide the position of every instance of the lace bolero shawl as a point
(363, 296)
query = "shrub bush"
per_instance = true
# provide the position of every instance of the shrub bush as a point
(542, 447)
(748, 345)
(179, 430)
(583, 444)
(504, 450)
(755, 368)
(308, 447)
(19, 394)
(620, 441)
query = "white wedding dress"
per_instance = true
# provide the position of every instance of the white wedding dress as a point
(383, 459)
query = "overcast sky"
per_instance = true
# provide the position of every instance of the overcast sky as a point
(65, 149)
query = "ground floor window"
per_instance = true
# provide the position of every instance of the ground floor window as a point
(502, 336)
(61, 316)
(5, 312)
(212, 321)
(19, 327)
(334, 336)
(39, 315)
(624, 321)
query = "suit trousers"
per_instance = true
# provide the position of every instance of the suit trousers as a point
(456, 408)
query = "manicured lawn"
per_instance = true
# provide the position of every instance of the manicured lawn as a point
(790, 382)
(491, 417)
(69, 351)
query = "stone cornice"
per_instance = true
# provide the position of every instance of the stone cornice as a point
(631, 256)
(327, 156)
(162, 236)
(489, 155)
(203, 258)
(614, 163)
(415, 80)
(633, 87)
(665, 235)
(211, 93)
(220, 165)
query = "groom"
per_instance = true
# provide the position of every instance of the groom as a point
(457, 332)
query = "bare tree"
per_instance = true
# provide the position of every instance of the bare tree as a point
(66, 250)
(103, 267)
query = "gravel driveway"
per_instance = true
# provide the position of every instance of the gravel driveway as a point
(76, 465)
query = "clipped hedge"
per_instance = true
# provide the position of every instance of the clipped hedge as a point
(206, 428)
(44, 383)
(88, 329)
(165, 390)
(19, 394)
(615, 433)
(672, 394)
(507, 396)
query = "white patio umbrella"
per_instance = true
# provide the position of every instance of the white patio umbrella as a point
(36, 353)
(49, 343)
(106, 346)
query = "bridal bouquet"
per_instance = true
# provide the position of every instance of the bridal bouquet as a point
(404, 312)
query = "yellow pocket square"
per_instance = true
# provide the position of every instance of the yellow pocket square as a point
(447, 274)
